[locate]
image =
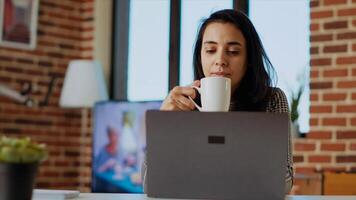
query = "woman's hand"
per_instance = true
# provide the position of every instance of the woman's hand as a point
(177, 98)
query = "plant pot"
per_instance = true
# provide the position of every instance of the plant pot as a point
(17, 180)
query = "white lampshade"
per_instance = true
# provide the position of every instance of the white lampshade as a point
(84, 84)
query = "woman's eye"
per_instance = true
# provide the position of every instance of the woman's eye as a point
(232, 52)
(210, 51)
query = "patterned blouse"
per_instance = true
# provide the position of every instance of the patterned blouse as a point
(277, 103)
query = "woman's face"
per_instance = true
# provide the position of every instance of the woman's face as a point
(223, 52)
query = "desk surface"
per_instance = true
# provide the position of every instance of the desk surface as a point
(96, 196)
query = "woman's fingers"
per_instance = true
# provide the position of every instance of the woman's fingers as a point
(185, 91)
(183, 102)
(177, 98)
(196, 83)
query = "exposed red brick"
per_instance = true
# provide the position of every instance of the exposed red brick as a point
(319, 159)
(321, 37)
(321, 85)
(334, 121)
(348, 35)
(334, 96)
(72, 153)
(86, 29)
(313, 4)
(314, 97)
(320, 61)
(54, 153)
(314, 73)
(346, 159)
(314, 27)
(14, 70)
(353, 96)
(34, 72)
(346, 108)
(11, 131)
(24, 61)
(353, 146)
(298, 159)
(354, 47)
(335, 48)
(333, 147)
(346, 84)
(314, 50)
(71, 174)
(305, 170)
(321, 14)
(46, 43)
(335, 73)
(319, 135)
(298, 146)
(346, 134)
(335, 25)
(4, 58)
(333, 169)
(313, 122)
(51, 174)
(346, 12)
(45, 64)
(320, 109)
(334, 2)
(354, 72)
(86, 48)
(346, 60)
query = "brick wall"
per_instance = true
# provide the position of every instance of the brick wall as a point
(65, 32)
(331, 143)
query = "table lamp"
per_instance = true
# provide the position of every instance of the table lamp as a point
(84, 84)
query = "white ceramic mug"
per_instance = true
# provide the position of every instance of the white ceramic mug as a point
(215, 94)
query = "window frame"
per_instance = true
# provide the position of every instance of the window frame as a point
(120, 33)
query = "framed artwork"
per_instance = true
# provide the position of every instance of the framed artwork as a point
(18, 23)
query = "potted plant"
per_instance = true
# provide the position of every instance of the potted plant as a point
(19, 161)
(295, 101)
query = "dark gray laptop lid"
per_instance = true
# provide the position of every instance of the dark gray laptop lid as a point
(216, 155)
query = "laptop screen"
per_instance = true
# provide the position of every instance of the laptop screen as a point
(119, 142)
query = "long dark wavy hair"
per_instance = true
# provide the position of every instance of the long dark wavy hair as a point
(256, 86)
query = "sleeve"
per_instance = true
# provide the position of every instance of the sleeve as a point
(279, 103)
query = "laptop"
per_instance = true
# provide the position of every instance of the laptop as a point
(216, 155)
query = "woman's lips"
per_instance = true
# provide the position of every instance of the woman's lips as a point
(219, 74)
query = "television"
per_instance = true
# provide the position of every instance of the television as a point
(119, 142)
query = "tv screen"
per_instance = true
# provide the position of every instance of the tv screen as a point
(119, 142)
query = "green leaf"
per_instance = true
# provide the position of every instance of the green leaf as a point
(21, 150)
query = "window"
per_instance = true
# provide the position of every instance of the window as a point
(284, 30)
(148, 50)
(142, 44)
(192, 14)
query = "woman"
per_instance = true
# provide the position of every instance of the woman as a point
(229, 46)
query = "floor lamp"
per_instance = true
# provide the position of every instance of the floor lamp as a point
(83, 86)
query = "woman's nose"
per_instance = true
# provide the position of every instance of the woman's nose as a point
(220, 60)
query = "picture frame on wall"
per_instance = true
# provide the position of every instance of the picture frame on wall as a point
(18, 23)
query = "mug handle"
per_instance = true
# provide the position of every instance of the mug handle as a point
(196, 105)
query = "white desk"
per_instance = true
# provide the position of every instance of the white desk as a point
(96, 196)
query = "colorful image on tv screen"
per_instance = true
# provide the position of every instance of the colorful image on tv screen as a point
(119, 142)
